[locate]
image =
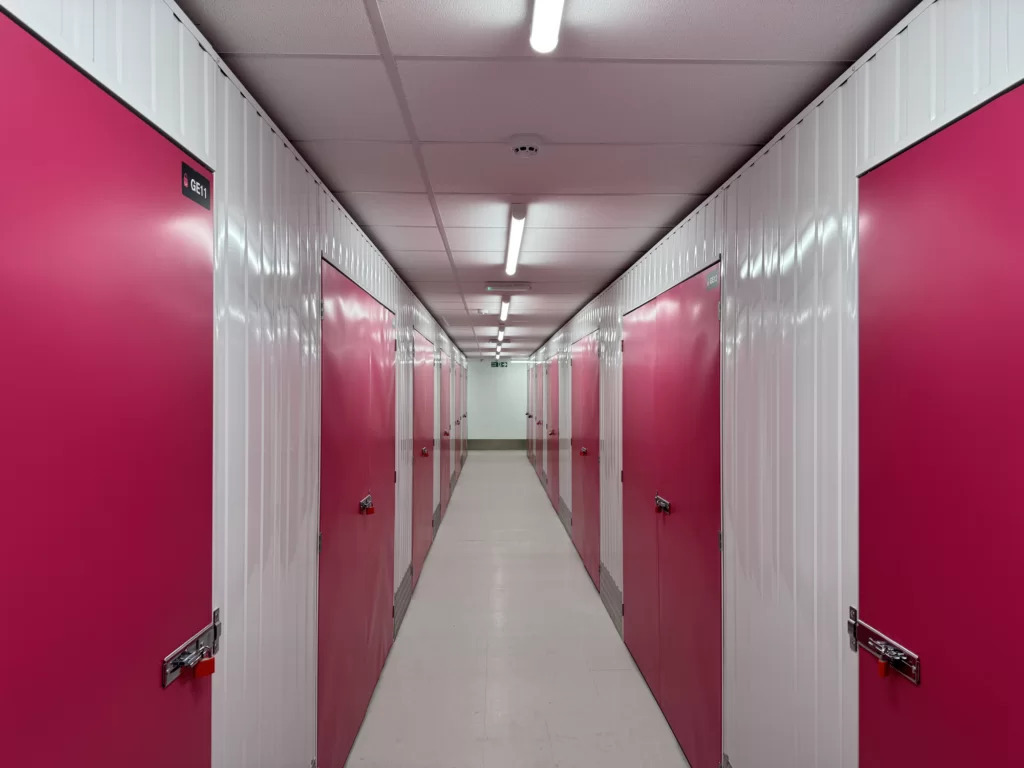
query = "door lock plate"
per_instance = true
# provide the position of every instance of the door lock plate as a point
(203, 645)
(663, 505)
(887, 651)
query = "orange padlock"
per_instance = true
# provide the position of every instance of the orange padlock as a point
(206, 667)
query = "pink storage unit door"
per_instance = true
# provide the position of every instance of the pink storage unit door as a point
(530, 408)
(641, 617)
(552, 433)
(423, 452)
(539, 433)
(687, 408)
(356, 586)
(106, 299)
(586, 460)
(446, 432)
(941, 420)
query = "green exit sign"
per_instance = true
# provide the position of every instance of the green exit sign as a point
(499, 363)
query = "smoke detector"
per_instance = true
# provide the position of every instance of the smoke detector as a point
(525, 145)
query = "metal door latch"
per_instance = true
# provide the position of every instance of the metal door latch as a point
(366, 505)
(663, 505)
(193, 653)
(890, 654)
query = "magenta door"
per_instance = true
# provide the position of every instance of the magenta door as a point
(586, 460)
(356, 580)
(446, 433)
(422, 453)
(689, 477)
(640, 586)
(941, 419)
(529, 413)
(539, 430)
(552, 432)
(106, 459)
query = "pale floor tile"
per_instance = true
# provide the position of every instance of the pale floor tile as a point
(506, 657)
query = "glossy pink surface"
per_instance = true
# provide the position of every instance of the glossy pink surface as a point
(106, 298)
(551, 431)
(941, 419)
(687, 407)
(586, 455)
(539, 435)
(640, 585)
(357, 457)
(446, 427)
(422, 453)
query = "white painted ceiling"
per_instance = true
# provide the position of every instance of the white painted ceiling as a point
(406, 108)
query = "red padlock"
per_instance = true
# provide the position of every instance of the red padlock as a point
(883, 668)
(206, 667)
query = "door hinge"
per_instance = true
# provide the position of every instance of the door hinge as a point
(396, 475)
(719, 310)
(622, 475)
(623, 607)
(319, 541)
(396, 345)
(321, 309)
(720, 541)
(622, 345)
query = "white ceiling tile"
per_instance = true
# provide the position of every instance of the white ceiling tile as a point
(405, 238)
(476, 238)
(271, 26)
(314, 98)
(608, 102)
(421, 260)
(599, 210)
(495, 259)
(608, 262)
(394, 208)
(364, 166)
(474, 210)
(608, 239)
(835, 30)
(582, 169)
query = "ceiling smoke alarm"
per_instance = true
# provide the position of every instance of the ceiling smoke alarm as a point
(525, 145)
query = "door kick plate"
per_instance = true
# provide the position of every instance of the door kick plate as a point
(890, 654)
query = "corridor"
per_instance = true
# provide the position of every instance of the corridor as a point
(507, 657)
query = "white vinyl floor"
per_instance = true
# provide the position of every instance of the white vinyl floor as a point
(507, 657)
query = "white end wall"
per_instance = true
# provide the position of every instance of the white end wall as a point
(785, 228)
(497, 401)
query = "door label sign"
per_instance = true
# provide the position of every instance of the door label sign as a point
(195, 186)
(713, 279)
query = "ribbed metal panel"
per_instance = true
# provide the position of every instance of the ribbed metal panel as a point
(267, 388)
(273, 221)
(786, 226)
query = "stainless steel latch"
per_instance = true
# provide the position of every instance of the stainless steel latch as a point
(193, 652)
(890, 654)
(664, 505)
(366, 505)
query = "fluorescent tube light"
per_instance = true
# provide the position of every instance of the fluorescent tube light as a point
(547, 18)
(504, 310)
(516, 224)
(501, 335)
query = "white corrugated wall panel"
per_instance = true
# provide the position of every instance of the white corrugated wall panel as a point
(272, 222)
(786, 225)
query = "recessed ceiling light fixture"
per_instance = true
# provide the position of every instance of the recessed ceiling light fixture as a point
(547, 18)
(516, 224)
(504, 309)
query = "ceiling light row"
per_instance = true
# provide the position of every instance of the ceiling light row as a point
(547, 19)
